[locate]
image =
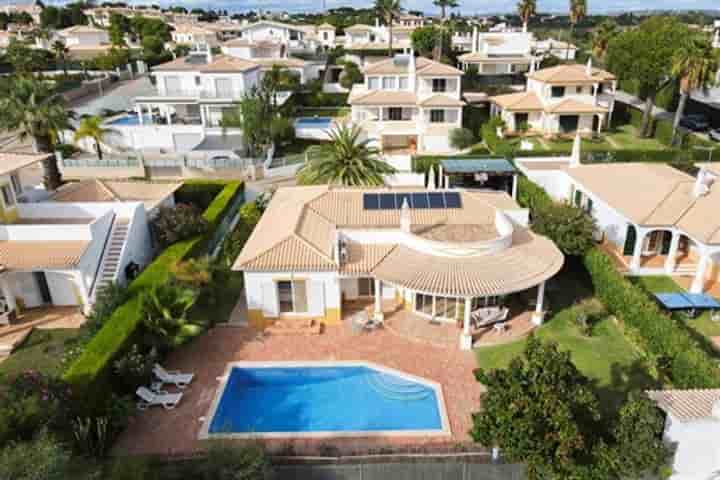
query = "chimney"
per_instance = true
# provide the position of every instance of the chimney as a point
(485, 49)
(377, 22)
(575, 155)
(412, 71)
(474, 48)
(702, 183)
(588, 67)
(405, 220)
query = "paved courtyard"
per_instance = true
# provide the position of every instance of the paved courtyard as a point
(175, 432)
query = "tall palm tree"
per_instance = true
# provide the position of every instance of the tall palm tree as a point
(61, 53)
(388, 10)
(444, 5)
(526, 9)
(578, 11)
(91, 127)
(346, 160)
(601, 37)
(694, 64)
(31, 107)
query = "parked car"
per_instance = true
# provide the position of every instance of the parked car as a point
(714, 134)
(696, 123)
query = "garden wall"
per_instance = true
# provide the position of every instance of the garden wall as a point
(89, 373)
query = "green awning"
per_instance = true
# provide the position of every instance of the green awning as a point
(477, 165)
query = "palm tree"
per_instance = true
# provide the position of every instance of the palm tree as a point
(91, 127)
(444, 5)
(31, 107)
(601, 37)
(695, 64)
(526, 9)
(388, 10)
(279, 78)
(346, 160)
(578, 11)
(61, 52)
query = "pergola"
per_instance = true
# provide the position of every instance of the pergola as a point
(490, 173)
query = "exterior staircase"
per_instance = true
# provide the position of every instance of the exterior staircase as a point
(110, 263)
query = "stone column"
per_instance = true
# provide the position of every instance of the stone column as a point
(698, 284)
(140, 113)
(84, 296)
(671, 260)
(537, 317)
(466, 338)
(637, 251)
(378, 315)
(514, 186)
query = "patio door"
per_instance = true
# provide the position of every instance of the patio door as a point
(569, 123)
(43, 287)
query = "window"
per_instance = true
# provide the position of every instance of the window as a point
(325, 35)
(366, 287)
(439, 85)
(403, 83)
(484, 302)
(17, 186)
(292, 296)
(558, 92)
(600, 88)
(423, 303)
(373, 83)
(437, 116)
(198, 80)
(395, 114)
(578, 89)
(8, 196)
(388, 83)
(293, 35)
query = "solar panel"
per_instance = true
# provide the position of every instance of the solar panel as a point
(452, 200)
(387, 201)
(400, 199)
(420, 200)
(371, 201)
(437, 200)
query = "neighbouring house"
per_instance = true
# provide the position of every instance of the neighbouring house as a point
(269, 53)
(716, 34)
(555, 48)
(560, 100)
(367, 44)
(408, 20)
(63, 252)
(101, 15)
(506, 53)
(652, 218)
(296, 38)
(692, 430)
(82, 41)
(34, 9)
(193, 34)
(408, 105)
(439, 255)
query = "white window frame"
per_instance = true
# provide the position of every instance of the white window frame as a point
(436, 111)
(392, 81)
(294, 310)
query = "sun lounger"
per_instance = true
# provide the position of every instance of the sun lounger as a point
(149, 398)
(180, 380)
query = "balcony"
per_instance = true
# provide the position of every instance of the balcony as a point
(203, 93)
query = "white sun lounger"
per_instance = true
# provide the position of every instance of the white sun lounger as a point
(148, 398)
(180, 380)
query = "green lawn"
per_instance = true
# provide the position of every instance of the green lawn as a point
(621, 138)
(42, 350)
(606, 357)
(661, 283)
(625, 136)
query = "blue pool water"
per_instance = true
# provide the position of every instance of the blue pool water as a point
(131, 120)
(314, 122)
(323, 399)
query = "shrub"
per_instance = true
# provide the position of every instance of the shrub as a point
(282, 130)
(461, 138)
(350, 75)
(532, 196)
(490, 133)
(43, 458)
(588, 313)
(164, 309)
(94, 436)
(229, 462)
(180, 222)
(568, 226)
(134, 368)
(199, 193)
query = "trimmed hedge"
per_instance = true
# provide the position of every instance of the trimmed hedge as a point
(686, 363)
(199, 193)
(86, 373)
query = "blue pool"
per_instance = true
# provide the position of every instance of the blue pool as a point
(323, 399)
(314, 122)
(131, 120)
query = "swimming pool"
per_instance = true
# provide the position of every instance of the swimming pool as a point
(314, 122)
(288, 399)
(131, 120)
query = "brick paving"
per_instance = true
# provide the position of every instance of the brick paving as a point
(175, 432)
(41, 318)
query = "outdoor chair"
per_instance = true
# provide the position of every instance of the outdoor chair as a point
(148, 398)
(180, 380)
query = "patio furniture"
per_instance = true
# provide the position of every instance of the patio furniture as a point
(500, 327)
(180, 380)
(688, 303)
(148, 398)
(485, 317)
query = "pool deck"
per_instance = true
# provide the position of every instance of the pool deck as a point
(175, 432)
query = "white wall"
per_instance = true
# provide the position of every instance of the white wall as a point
(138, 245)
(89, 263)
(697, 455)
(323, 291)
(62, 287)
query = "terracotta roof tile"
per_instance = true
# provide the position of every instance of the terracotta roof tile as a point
(568, 74)
(384, 97)
(442, 101)
(522, 101)
(570, 105)
(24, 255)
(10, 162)
(686, 405)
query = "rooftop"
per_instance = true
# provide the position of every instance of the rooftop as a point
(94, 190)
(217, 64)
(400, 63)
(687, 405)
(25, 254)
(476, 165)
(571, 73)
(11, 162)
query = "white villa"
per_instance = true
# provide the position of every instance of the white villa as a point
(296, 38)
(442, 256)
(366, 44)
(692, 430)
(408, 105)
(560, 100)
(61, 251)
(556, 48)
(82, 41)
(505, 53)
(652, 218)
(193, 34)
(716, 34)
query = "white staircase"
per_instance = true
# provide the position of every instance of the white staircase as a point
(110, 263)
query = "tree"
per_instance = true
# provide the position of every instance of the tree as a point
(540, 411)
(279, 78)
(43, 458)
(24, 59)
(164, 308)
(695, 64)
(423, 40)
(644, 55)
(91, 127)
(32, 107)
(461, 138)
(444, 5)
(61, 54)
(578, 11)
(254, 116)
(601, 36)
(388, 10)
(568, 226)
(346, 160)
(350, 75)
(526, 9)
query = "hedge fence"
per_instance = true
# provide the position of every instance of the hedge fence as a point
(677, 353)
(90, 370)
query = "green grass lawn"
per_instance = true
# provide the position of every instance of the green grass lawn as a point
(606, 357)
(42, 350)
(626, 137)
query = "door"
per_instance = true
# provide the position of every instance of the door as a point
(630, 238)
(569, 123)
(43, 288)
(521, 121)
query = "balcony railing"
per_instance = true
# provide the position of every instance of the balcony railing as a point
(198, 93)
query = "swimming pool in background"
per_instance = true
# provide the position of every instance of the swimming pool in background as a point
(319, 398)
(314, 122)
(129, 120)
